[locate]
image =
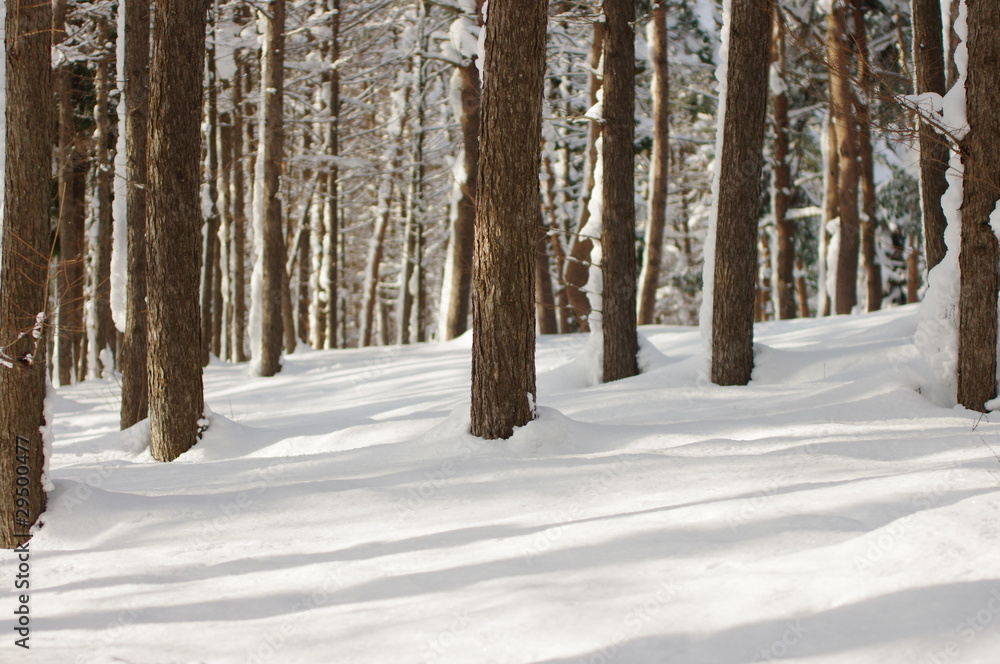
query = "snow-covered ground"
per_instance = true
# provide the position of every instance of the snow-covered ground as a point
(340, 513)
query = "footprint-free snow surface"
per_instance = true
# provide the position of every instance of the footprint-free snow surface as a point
(341, 512)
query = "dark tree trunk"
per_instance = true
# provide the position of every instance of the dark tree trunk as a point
(869, 221)
(176, 400)
(272, 142)
(928, 55)
(212, 249)
(785, 273)
(331, 220)
(135, 383)
(545, 302)
(831, 210)
(621, 342)
(660, 164)
(739, 193)
(237, 269)
(503, 342)
(24, 263)
(979, 258)
(842, 102)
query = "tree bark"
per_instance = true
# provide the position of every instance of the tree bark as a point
(741, 163)
(24, 263)
(979, 257)
(831, 198)
(841, 103)
(621, 342)
(237, 268)
(928, 55)
(176, 400)
(135, 382)
(272, 143)
(331, 220)
(104, 329)
(660, 165)
(869, 221)
(503, 342)
(785, 273)
(578, 262)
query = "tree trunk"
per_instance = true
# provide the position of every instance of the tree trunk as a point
(578, 262)
(739, 182)
(503, 342)
(831, 211)
(225, 296)
(135, 383)
(176, 400)
(272, 80)
(928, 55)
(979, 258)
(913, 271)
(841, 103)
(660, 165)
(545, 302)
(104, 329)
(24, 259)
(621, 342)
(331, 221)
(237, 268)
(785, 273)
(869, 221)
(459, 273)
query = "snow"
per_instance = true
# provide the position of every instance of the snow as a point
(340, 511)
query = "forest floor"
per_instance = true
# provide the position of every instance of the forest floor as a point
(340, 512)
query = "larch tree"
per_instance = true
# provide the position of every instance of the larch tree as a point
(618, 315)
(729, 305)
(135, 383)
(660, 164)
(929, 70)
(24, 262)
(503, 315)
(176, 395)
(979, 258)
(271, 242)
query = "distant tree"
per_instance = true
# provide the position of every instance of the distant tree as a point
(176, 396)
(135, 383)
(503, 314)
(621, 345)
(928, 58)
(738, 191)
(782, 189)
(979, 257)
(24, 263)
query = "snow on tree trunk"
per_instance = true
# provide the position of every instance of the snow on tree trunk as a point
(119, 211)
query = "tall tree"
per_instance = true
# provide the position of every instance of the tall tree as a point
(737, 191)
(979, 258)
(503, 342)
(841, 105)
(176, 395)
(24, 262)
(660, 164)
(621, 343)
(781, 192)
(928, 56)
(135, 383)
(272, 144)
(104, 327)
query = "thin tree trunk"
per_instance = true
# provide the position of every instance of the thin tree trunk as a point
(135, 383)
(272, 143)
(545, 303)
(928, 54)
(225, 293)
(237, 267)
(105, 335)
(24, 263)
(831, 212)
(660, 165)
(913, 271)
(869, 222)
(331, 221)
(800, 288)
(785, 273)
(980, 257)
(841, 102)
(621, 341)
(176, 400)
(211, 251)
(562, 299)
(738, 205)
(578, 262)
(503, 342)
